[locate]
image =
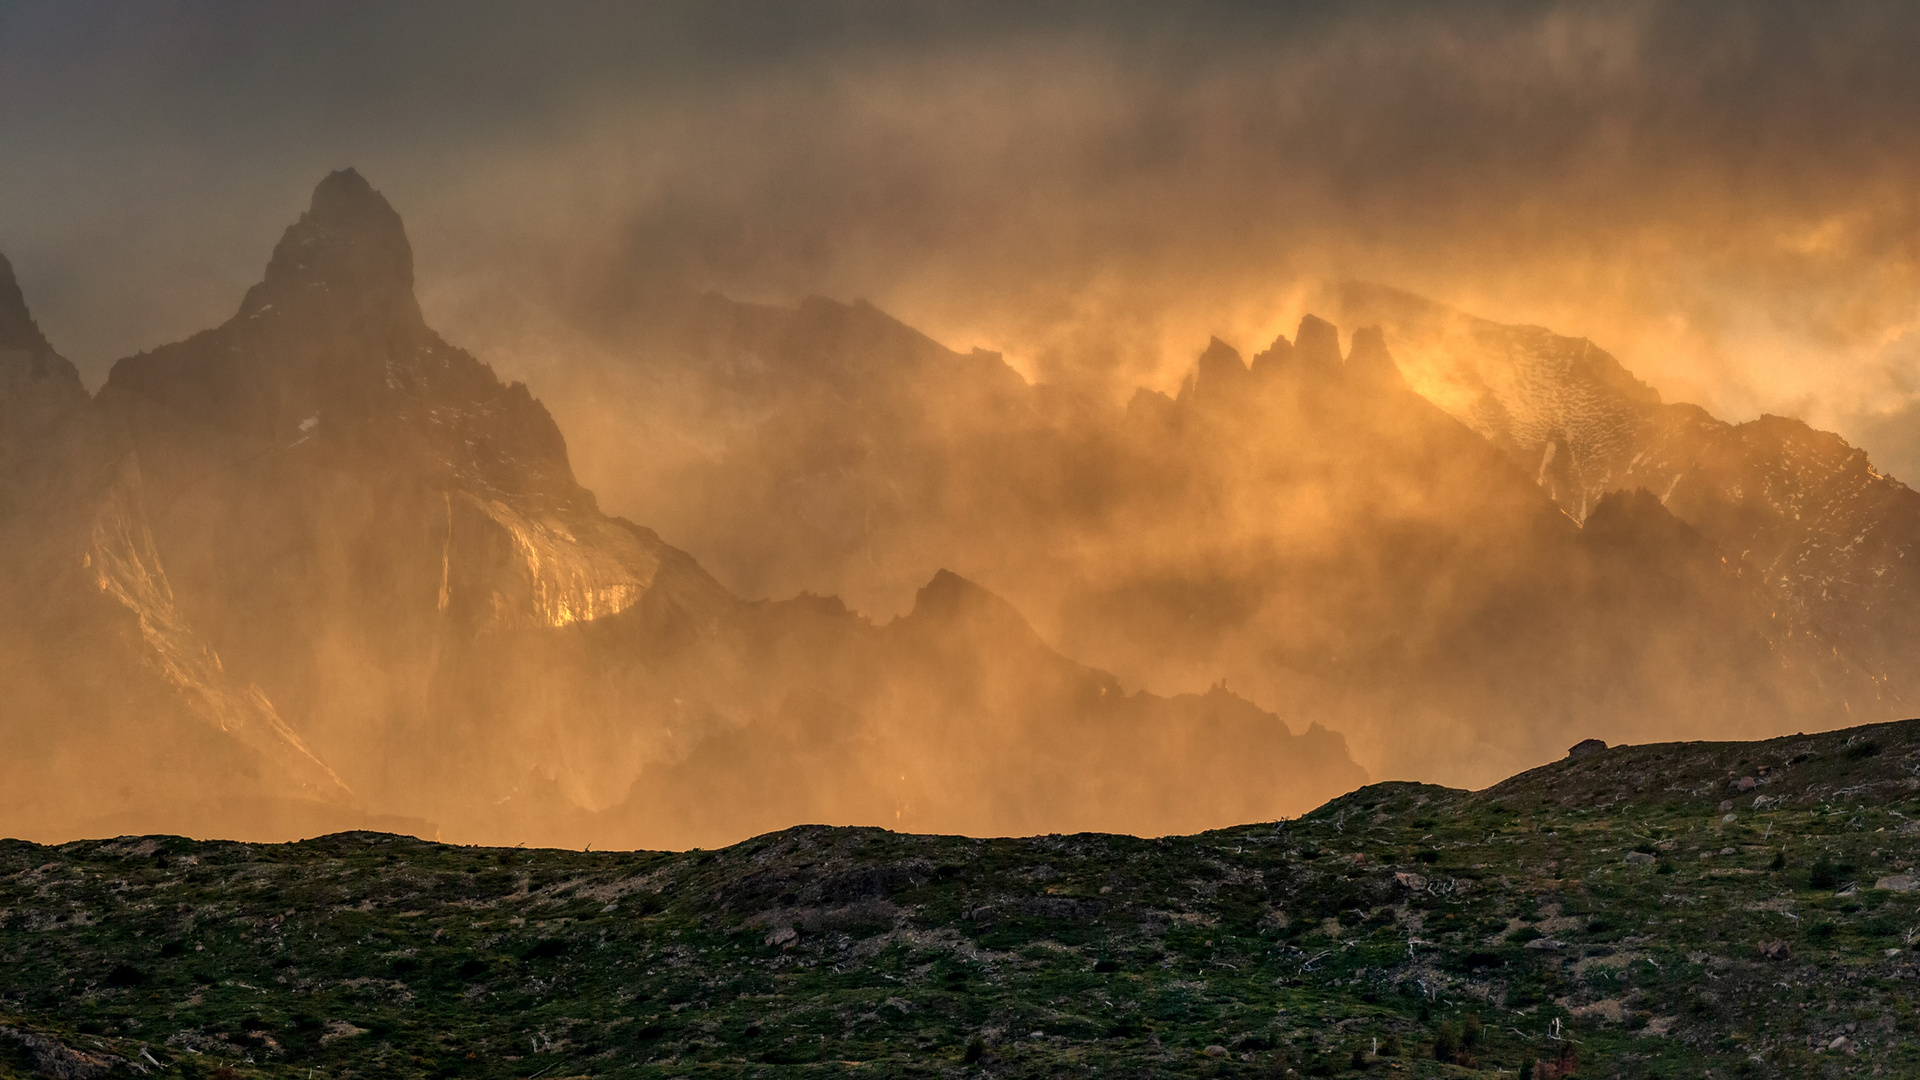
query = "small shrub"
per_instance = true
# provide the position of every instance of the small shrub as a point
(976, 1049)
(125, 975)
(1823, 874)
(1446, 1044)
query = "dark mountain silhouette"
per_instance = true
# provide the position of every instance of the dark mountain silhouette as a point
(341, 553)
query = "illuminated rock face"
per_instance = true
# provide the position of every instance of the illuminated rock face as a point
(1837, 540)
(114, 703)
(328, 400)
(344, 504)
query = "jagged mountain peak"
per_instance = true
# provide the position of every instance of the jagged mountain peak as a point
(1370, 362)
(329, 355)
(1218, 372)
(1316, 345)
(17, 328)
(952, 602)
(349, 249)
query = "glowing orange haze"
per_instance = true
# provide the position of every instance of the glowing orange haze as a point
(424, 605)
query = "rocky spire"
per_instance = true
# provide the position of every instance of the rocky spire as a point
(1369, 363)
(347, 254)
(1316, 346)
(17, 328)
(1219, 372)
(1277, 358)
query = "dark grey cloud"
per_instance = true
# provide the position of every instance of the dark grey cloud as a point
(1722, 193)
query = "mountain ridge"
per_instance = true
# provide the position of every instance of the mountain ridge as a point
(1182, 540)
(1833, 535)
(337, 532)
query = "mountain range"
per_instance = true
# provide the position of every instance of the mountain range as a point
(319, 568)
(1305, 526)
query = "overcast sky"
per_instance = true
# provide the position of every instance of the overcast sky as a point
(1722, 195)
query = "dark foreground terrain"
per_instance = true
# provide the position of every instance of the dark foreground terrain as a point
(1730, 909)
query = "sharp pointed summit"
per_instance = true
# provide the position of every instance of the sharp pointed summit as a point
(348, 251)
(1219, 374)
(1369, 362)
(1316, 345)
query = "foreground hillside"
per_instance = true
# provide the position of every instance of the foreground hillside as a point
(1643, 911)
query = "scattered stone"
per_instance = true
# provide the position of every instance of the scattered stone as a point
(1639, 858)
(339, 1029)
(1745, 783)
(1215, 1051)
(1584, 748)
(1726, 804)
(785, 937)
(1410, 881)
(1544, 944)
(1776, 950)
(1898, 883)
(53, 1058)
(1729, 819)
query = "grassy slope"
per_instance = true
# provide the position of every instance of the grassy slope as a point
(1243, 952)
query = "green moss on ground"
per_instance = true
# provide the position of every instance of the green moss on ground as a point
(1640, 912)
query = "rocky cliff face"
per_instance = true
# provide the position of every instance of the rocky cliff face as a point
(116, 704)
(351, 554)
(1831, 535)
